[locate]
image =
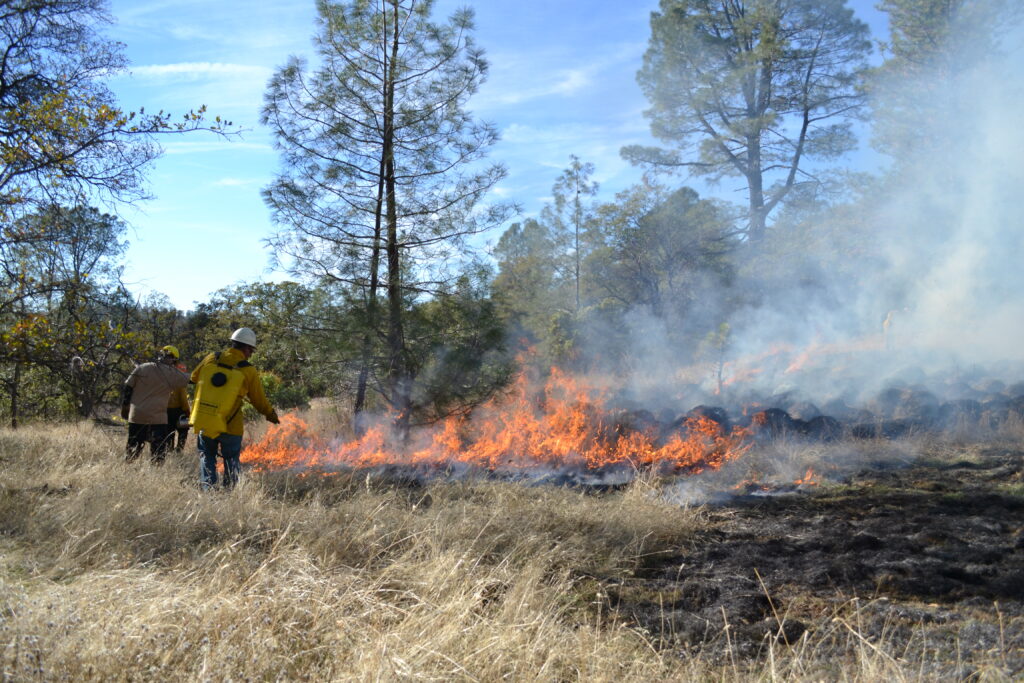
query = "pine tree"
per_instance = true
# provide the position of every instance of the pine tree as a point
(382, 171)
(752, 89)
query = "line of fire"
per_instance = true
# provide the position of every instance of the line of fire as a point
(574, 430)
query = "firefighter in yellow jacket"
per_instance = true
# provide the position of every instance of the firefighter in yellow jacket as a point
(223, 380)
(178, 408)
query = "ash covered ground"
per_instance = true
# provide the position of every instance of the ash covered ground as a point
(922, 553)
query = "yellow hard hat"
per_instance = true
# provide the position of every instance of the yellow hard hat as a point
(170, 351)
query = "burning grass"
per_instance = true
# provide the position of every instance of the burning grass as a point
(110, 571)
(564, 425)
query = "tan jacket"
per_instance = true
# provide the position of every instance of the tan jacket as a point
(252, 389)
(152, 385)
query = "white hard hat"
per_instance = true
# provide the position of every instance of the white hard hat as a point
(244, 335)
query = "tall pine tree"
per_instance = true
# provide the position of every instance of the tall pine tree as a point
(751, 89)
(382, 172)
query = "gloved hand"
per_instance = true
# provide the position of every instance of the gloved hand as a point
(124, 411)
(273, 418)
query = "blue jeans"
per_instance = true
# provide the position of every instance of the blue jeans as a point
(230, 449)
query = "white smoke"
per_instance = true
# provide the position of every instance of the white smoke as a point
(934, 245)
(946, 234)
(969, 294)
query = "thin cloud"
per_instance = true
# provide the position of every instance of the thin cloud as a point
(201, 70)
(237, 182)
(507, 87)
(613, 132)
(206, 147)
(566, 83)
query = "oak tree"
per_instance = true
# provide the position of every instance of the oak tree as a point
(63, 137)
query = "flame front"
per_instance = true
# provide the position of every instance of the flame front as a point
(809, 479)
(564, 425)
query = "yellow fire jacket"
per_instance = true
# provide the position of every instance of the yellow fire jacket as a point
(252, 389)
(179, 399)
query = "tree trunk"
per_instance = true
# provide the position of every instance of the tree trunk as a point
(15, 388)
(576, 222)
(398, 379)
(718, 371)
(359, 417)
(86, 400)
(756, 229)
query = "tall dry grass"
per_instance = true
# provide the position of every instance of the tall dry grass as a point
(110, 571)
(115, 571)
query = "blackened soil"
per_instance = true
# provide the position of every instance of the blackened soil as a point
(933, 551)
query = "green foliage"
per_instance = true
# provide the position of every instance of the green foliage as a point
(561, 338)
(66, 311)
(663, 252)
(820, 248)
(657, 248)
(282, 395)
(382, 171)
(457, 353)
(717, 341)
(528, 289)
(297, 329)
(934, 47)
(568, 218)
(64, 143)
(540, 284)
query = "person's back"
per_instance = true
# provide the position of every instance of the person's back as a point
(146, 394)
(248, 387)
(152, 385)
(223, 380)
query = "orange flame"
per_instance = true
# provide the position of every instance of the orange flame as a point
(747, 368)
(808, 479)
(817, 352)
(565, 424)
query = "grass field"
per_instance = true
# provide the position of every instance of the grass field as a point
(111, 571)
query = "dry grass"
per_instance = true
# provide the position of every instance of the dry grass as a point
(1012, 428)
(111, 571)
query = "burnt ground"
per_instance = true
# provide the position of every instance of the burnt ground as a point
(924, 558)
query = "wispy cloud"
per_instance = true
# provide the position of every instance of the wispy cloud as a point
(250, 28)
(238, 182)
(612, 131)
(562, 83)
(201, 70)
(206, 147)
(518, 78)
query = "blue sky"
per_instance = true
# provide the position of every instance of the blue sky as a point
(562, 82)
